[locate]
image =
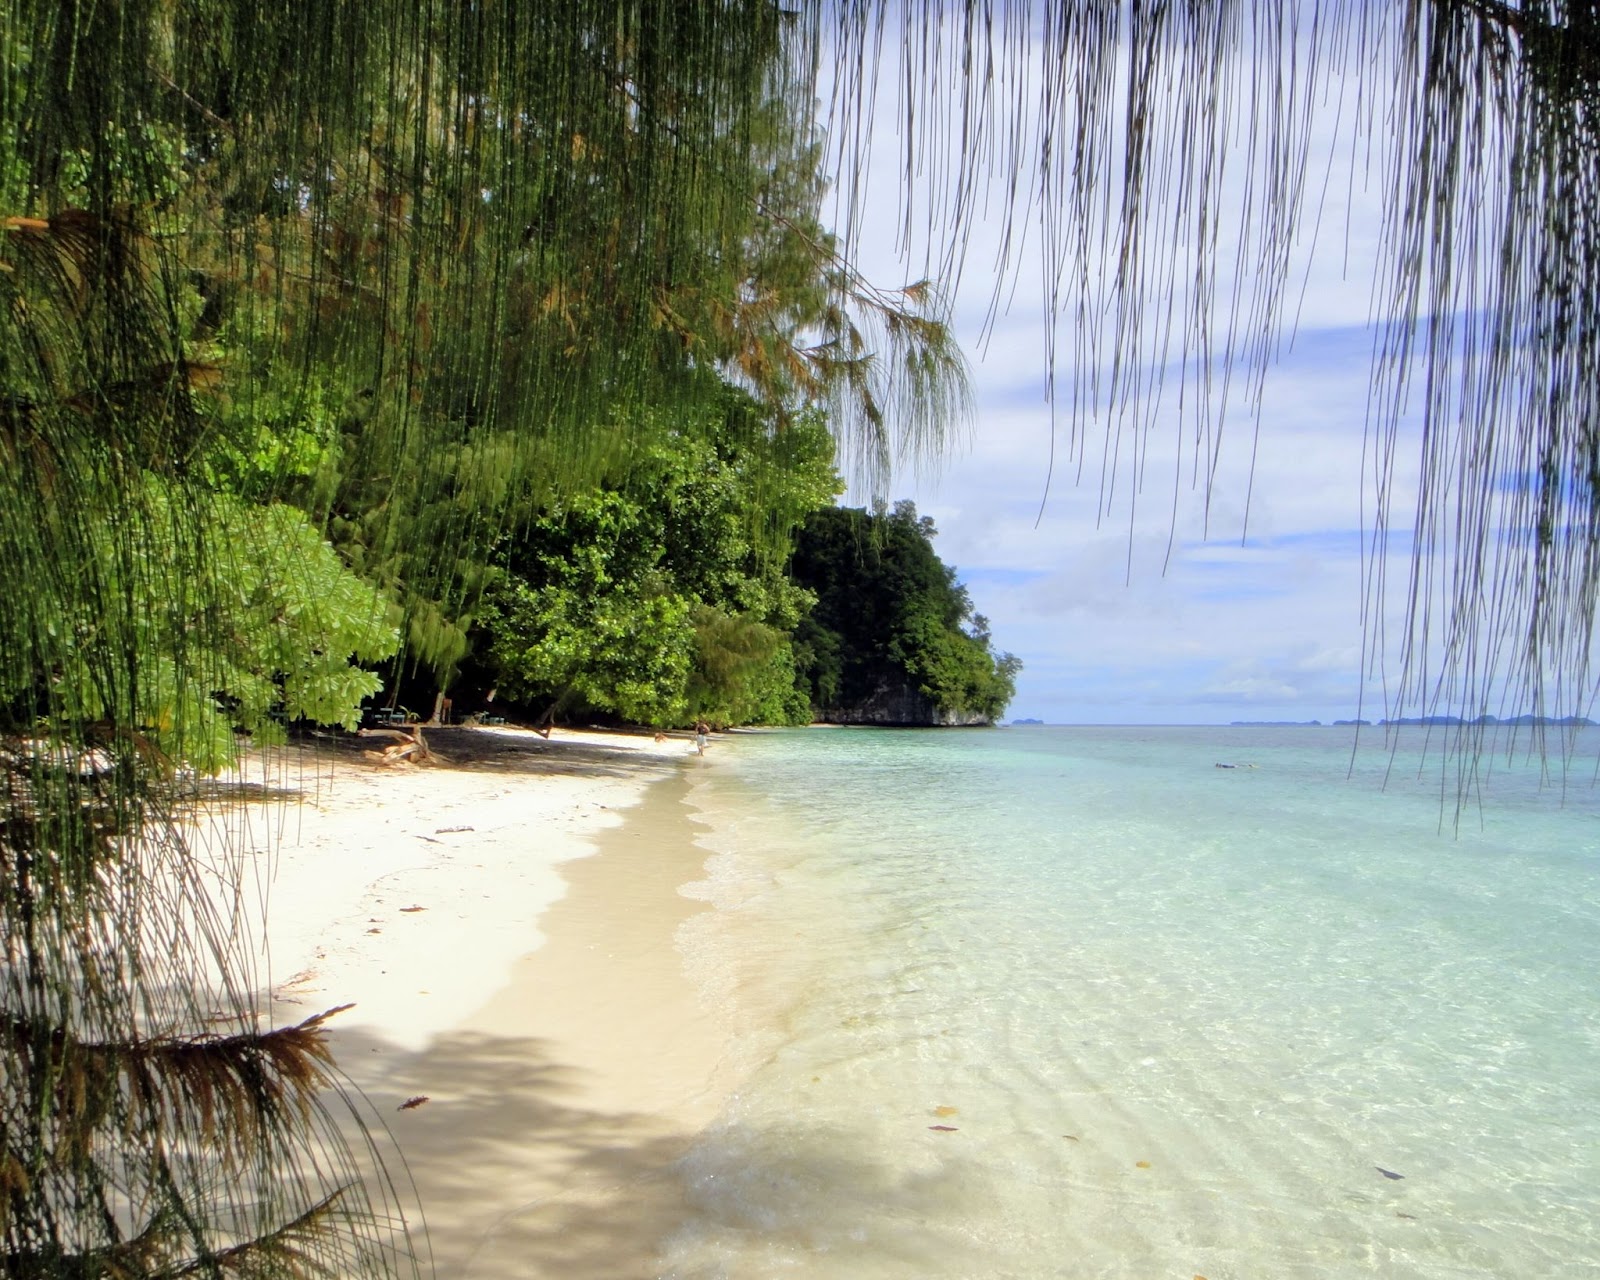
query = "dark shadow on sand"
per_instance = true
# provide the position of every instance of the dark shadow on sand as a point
(485, 751)
(609, 1189)
(601, 1190)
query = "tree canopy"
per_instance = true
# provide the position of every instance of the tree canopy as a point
(661, 595)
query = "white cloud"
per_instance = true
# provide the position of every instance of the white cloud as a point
(1248, 689)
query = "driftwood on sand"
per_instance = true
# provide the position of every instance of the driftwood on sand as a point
(412, 746)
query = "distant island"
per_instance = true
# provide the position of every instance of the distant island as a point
(1562, 722)
(1275, 724)
(1025, 721)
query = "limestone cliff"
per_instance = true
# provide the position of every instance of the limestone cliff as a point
(893, 704)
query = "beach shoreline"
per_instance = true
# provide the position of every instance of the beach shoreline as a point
(505, 926)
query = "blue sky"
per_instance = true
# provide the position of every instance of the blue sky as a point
(1170, 613)
(1163, 601)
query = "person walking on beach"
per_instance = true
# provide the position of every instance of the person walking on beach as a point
(701, 729)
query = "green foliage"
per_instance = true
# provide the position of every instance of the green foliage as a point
(434, 319)
(623, 647)
(662, 595)
(744, 672)
(234, 617)
(891, 615)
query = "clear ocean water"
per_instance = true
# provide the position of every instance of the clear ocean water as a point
(1076, 1002)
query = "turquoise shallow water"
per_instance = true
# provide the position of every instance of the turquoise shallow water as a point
(1176, 1020)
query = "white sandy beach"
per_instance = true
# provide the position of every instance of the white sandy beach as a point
(530, 991)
